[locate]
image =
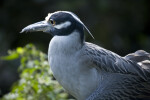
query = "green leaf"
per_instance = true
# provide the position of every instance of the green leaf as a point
(12, 56)
(36, 81)
(20, 50)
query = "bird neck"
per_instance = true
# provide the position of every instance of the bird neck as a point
(79, 28)
(66, 44)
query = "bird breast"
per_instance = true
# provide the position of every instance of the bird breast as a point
(70, 67)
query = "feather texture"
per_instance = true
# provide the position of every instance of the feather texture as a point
(127, 79)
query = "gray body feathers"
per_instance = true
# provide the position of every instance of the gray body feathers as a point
(126, 79)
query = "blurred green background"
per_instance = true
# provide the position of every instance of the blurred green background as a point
(122, 26)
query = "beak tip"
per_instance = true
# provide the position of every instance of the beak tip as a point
(24, 30)
(21, 31)
(39, 26)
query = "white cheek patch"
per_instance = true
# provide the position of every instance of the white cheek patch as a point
(63, 25)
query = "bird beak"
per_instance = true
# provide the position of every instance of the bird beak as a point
(39, 26)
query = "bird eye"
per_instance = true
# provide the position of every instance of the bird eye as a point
(52, 22)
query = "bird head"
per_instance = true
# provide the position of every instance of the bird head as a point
(60, 23)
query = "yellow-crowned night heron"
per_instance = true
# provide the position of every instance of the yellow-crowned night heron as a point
(88, 71)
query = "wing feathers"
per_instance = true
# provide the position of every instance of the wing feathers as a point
(130, 78)
(111, 62)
